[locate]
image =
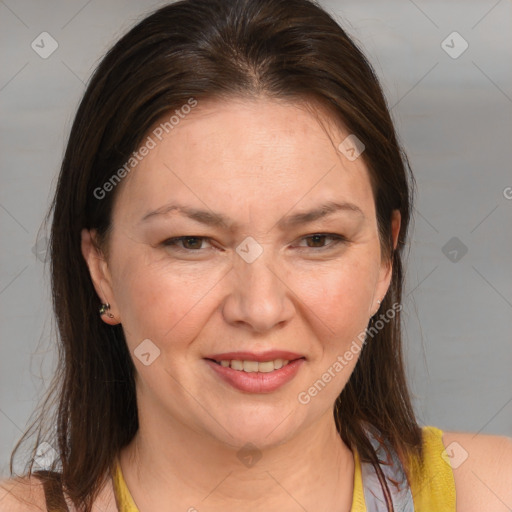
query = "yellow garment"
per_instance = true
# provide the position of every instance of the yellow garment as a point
(432, 484)
(124, 499)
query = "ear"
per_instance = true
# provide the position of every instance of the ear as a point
(386, 270)
(100, 274)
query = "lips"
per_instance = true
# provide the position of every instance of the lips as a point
(256, 382)
(269, 355)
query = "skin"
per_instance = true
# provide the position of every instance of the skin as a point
(254, 161)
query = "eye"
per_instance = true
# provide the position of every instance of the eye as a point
(314, 241)
(188, 243)
(318, 240)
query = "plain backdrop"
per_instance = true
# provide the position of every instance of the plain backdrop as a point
(452, 106)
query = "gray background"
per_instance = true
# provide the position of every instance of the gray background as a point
(454, 116)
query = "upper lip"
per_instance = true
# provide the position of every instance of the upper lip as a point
(269, 355)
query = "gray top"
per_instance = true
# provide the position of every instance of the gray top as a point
(392, 468)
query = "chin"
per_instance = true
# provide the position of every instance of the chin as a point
(261, 430)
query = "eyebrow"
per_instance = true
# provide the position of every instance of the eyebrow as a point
(210, 218)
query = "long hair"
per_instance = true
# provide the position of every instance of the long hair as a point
(222, 49)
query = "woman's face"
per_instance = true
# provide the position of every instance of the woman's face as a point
(256, 281)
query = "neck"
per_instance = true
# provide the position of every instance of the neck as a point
(168, 463)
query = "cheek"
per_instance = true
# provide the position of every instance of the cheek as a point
(340, 295)
(159, 302)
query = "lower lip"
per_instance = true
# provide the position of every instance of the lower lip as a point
(257, 382)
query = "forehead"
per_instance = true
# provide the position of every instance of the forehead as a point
(261, 154)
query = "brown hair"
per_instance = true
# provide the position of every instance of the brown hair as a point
(203, 49)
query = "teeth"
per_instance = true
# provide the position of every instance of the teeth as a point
(252, 366)
(237, 365)
(255, 366)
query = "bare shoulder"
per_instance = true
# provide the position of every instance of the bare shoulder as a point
(22, 495)
(482, 470)
(27, 495)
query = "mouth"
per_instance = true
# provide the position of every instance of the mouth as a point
(252, 376)
(251, 366)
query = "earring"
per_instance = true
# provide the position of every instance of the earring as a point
(104, 308)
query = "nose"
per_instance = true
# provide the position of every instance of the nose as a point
(259, 299)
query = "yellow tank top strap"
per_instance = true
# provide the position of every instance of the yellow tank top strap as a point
(358, 503)
(123, 497)
(432, 483)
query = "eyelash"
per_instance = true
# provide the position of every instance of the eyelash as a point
(337, 239)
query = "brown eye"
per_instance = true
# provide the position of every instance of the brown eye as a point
(318, 240)
(188, 243)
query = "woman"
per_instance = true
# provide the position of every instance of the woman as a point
(227, 237)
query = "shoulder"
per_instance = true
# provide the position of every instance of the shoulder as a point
(482, 470)
(22, 495)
